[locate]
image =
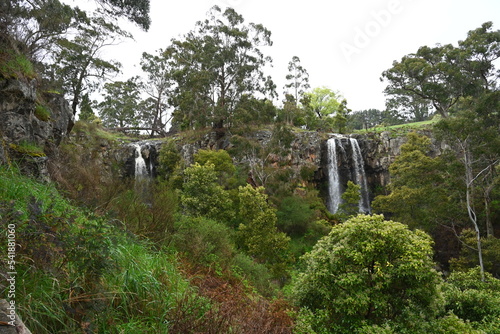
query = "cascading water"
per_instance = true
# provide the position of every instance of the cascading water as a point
(334, 191)
(142, 178)
(338, 157)
(140, 164)
(359, 170)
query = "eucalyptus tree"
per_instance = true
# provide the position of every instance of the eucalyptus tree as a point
(157, 87)
(462, 84)
(440, 76)
(431, 74)
(297, 78)
(79, 66)
(216, 64)
(66, 42)
(410, 108)
(325, 109)
(35, 24)
(474, 133)
(119, 107)
(136, 11)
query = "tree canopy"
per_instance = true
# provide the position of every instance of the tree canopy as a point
(214, 66)
(443, 74)
(368, 270)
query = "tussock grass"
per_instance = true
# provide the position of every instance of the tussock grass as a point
(77, 272)
(15, 65)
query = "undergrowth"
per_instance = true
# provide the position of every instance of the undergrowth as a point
(82, 273)
(78, 272)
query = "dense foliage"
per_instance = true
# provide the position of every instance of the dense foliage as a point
(240, 240)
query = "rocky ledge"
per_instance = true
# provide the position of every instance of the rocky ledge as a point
(32, 125)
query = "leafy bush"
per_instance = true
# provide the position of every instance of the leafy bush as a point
(468, 257)
(223, 164)
(367, 271)
(257, 233)
(204, 241)
(451, 324)
(282, 138)
(202, 196)
(470, 298)
(256, 273)
(168, 159)
(294, 215)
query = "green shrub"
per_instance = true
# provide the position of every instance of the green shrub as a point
(223, 165)
(204, 241)
(468, 257)
(169, 159)
(294, 215)
(307, 172)
(282, 138)
(470, 298)
(42, 112)
(368, 271)
(256, 273)
(451, 324)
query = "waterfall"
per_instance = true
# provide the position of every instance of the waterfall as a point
(344, 165)
(142, 179)
(334, 191)
(140, 164)
(359, 170)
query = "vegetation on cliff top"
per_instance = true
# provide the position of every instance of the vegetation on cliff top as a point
(214, 247)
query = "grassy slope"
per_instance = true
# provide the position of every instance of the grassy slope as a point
(399, 127)
(76, 271)
(79, 271)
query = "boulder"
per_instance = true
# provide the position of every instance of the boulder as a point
(9, 317)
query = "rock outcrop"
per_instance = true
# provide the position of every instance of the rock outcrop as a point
(304, 151)
(28, 120)
(380, 149)
(149, 150)
(10, 322)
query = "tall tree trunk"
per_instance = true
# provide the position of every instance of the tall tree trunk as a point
(489, 224)
(469, 179)
(487, 202)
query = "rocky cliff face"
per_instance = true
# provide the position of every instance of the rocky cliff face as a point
(148, 149)
(304, 150)
(27, 123)
(380, 150)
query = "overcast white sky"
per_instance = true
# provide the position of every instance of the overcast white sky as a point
(344, 45)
